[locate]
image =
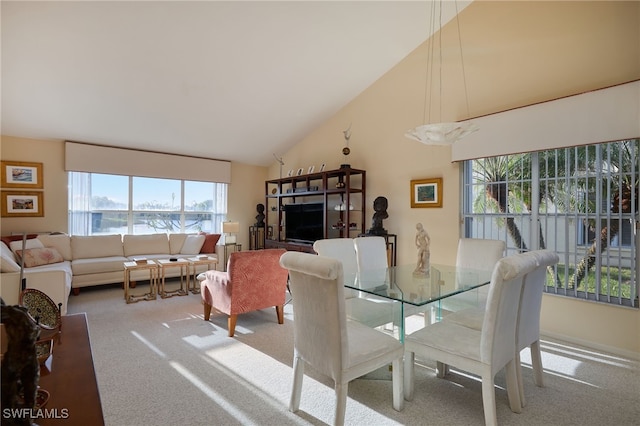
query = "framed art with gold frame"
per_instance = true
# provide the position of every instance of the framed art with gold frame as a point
(426, 192)
(20, 174)
(22, 204)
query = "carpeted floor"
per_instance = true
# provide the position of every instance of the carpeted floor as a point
(158, 363)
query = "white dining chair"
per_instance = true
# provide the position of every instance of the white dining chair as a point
(528, 327)
(483, 352)
(323, 337)
(361, 307)
(372, 259)
(476, 254)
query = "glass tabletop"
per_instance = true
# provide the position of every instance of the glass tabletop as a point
(402, 284)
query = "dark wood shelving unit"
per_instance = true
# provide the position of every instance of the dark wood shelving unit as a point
(341, 187)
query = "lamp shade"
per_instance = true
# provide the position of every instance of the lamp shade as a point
(230, 227)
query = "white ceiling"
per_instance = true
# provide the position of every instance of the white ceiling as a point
(236, 81)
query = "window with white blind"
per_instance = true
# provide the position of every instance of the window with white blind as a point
(115, 204)
(581, 202)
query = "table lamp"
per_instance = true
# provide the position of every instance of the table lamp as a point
(230, 230)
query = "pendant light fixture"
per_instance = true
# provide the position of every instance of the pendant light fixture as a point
(440, 133)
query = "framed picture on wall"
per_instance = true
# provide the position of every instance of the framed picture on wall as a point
(18, 174)
(22, 204)
(426, 192)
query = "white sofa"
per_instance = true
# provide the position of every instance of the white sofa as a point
(81, 261)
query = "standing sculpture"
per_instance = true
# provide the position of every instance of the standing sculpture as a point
(423, 241)
(380, 205)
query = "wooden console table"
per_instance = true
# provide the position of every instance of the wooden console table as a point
(69, 377)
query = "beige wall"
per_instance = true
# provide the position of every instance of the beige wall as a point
(245, 191)
(51, 155)
(381, 114)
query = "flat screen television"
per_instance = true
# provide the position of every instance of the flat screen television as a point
(304, 222)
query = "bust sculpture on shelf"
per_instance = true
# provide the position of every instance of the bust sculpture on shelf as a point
(380, 205)
(260, 216)
(423, 241)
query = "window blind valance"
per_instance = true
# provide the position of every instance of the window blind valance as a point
(82, 157)
(604, 115)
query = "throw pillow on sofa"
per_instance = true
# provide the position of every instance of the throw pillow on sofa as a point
(40, 256)
(210, 241)
(192, 244)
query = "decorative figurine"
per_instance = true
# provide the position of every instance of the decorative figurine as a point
(20, 367)
(346, 150)
(380, 205)
(423, 241)
(260, 216)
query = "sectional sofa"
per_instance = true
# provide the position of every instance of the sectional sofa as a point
(58, 264)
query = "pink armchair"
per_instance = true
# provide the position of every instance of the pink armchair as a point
(254, 280)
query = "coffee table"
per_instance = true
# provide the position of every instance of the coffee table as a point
(149, 265)
(193, 264)
(165, 264)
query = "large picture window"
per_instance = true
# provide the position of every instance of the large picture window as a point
(113, 204)
(581, 202)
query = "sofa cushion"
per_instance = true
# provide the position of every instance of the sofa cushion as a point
(40, 256)
(135, 245)
(98, 265)
(87, 247)
(60, 242)
(29, 244)
(8, 260)
(176, 241)
(192, 244)
(210, 241)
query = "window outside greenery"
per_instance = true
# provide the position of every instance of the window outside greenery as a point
(584, 204)
(112, 204)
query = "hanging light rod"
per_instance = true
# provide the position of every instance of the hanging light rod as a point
(443, 133)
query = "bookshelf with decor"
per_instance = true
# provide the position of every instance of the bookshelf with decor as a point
(302, 209)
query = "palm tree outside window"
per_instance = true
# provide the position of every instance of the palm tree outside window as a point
(584, 204)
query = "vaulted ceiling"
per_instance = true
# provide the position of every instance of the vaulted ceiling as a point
(234, 80)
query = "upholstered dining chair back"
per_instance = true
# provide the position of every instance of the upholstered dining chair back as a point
(359, 306)
(323, 337)
(501, 314)
(528, 334)
(318, 308)
(476, 253)
(341, 249)
(371, 253)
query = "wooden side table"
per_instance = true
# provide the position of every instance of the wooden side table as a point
(181, 263)
(152, 267)
(193, 264)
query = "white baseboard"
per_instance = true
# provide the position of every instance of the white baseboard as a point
(596, 346)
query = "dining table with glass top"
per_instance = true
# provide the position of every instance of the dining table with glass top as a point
(426, 293)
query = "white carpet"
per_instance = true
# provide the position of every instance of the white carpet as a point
(157, 362)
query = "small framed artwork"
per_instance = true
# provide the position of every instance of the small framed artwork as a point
(18, 174)
(426, 192)
(290, 173)
(322, 167)
(300, 170)
(22, 204)
(311, 169)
